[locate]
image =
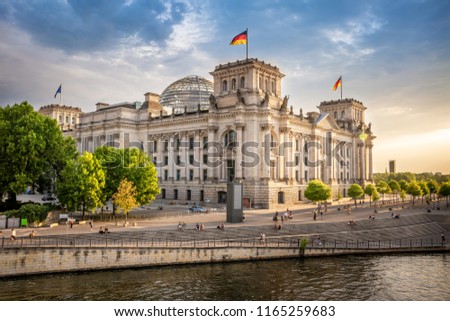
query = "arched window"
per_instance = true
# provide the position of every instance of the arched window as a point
(242, 82)
(335, 114)
(229, 139)
(342, 114)
(280, 198)
(225, 85)
(233, 83)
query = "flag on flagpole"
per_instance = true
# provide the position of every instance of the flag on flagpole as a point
(58, 91)
(240, 39)
(338, 83)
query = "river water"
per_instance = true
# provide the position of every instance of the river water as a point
(389, 277)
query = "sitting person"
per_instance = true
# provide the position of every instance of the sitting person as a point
(32, 234)
(101, 231)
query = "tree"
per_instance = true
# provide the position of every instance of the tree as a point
(414, 190)
(81, 184)
(369, 190)
(355, 191)
(125, 198)
(433, 186)
(33, 149)
(132, 164)
(375, 197)
(395, 188)
(383, 188)
(403, 195)
(403, 185)
(444, 191)
(317, 191)
(424, 188)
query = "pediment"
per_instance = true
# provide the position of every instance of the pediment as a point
(326, 121)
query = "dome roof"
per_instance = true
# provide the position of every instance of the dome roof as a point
(187, 92)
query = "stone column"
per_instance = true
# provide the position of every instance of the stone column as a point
(197, 157)
(238, 160)
(213, 161)
(265, 152)
(370, 163)
(170, 155)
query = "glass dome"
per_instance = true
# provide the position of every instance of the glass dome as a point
(187, 92)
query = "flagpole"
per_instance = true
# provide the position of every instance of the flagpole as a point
(246, 46)
(342, 83)
(60, 96)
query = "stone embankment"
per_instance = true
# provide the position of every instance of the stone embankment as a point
(64, 253)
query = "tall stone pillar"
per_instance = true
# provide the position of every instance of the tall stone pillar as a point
(170, 155)
(238, 160)
(213, 153)
(370, 163)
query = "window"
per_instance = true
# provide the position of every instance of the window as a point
(202, 195)
(224, 85)
(205, 142)
(205, 159)
(297, 144)
(280, 198)
(191, 159)
(175, 194)
(166, 146)
(73, 120)
(155, 146)
(296, 176)
(233, 83)
(230, 138)
(191, 174)
(342, 114)
(163, 193)
(154, 160)
(166, 160)
(188, 195)
(296, 160)
(177, 144)
(67, 119)
(299, 195)
(335, 115)
(178, 175)
(221, 197)
(166, 174)
(242, 82)
(60, 118)
(191, 143)
(306, 175)
(205, 174)
(178, 160)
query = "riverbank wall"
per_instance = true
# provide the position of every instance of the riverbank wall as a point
(29, 261)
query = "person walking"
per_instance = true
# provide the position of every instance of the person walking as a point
(13, 234)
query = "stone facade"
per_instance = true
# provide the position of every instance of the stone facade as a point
(248, 134)
(68, 117)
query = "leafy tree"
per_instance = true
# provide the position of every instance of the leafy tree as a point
(424, 187)
(132, 164)
(403, 195)
(81, 184)
(125, 198)
(444, 191)
(383, 188)
(369, 190)
(355, 191)
(317, 191)
(395, 188)
(375, 197)
(433, 186)
(403, 185)
(33, 149)
(414, 190)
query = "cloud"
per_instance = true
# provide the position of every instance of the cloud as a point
(83, 25)
(349, 38)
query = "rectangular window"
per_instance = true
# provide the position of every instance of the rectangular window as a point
(163, 193)
(296, 176)
(191, 174)
(166, 174)
(306, 175)
(166, 160)
(188, 195)
(296, 160)
(166, 146)
(191, 143)
(205, 142)
(178, 161)
(175, 194)
(178, 175)
(296, 145)
(205, 159)
(191, 159)
(205, 174)
(202, 195)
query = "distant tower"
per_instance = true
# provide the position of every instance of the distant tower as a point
(392, 167)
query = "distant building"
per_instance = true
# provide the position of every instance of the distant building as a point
(203, 134)
(68, 117)
(392, 167)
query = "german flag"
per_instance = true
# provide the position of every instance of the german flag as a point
(240, 39)
(338, 83)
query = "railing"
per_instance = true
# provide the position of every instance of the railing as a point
(106, 241)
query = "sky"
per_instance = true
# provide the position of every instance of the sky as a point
(394, 56)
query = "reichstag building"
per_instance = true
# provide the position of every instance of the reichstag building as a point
(203, 134)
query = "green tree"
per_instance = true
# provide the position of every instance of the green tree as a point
(81, 184)
(375, 197)
(424, 188)
(33, 150)
(433, 186)
(355, 191)
(414, 190)
(383, 188)
(444, 191)
(369, 190)
(403, 185)
(125, 198)
(132, 164)
(395, 188)
(403, 195)
(317, 191)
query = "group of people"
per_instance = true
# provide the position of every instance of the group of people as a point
(262, 237)
(200, 227)
(351, 223)
(280, 219)
(395, 215)
(103, 230)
